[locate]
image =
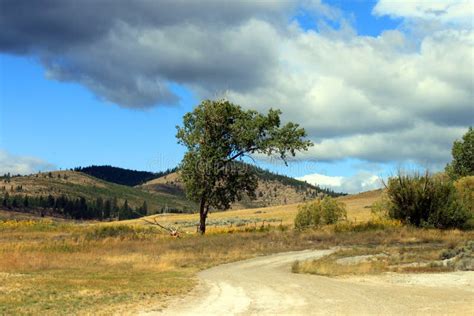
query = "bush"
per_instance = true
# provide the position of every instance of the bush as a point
(371, 225)
(463, 156)
(465, 192)
(426, 200)
(320, 212)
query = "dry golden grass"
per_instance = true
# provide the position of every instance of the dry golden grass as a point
(48, 267)
(358, 210)
(56, 267)
(42, 183)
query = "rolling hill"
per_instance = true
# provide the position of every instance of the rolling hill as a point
(121, 175)
(77, 194)
(76, 185)
(273, 189)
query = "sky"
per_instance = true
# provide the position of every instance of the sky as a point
(378, 85)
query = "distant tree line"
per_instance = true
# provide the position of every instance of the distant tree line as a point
(299, 185)
(122, 176)
(74, 208)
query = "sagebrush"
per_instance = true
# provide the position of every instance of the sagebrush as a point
(320, 212)
(425, 200)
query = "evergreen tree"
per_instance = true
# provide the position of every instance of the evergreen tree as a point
(14, 202)
(99, 208)
(6, 200)
(107, 208)
(124, 212)
(50, 201)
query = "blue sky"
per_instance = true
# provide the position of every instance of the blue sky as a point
(67, 103)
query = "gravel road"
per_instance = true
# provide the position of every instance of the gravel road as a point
(266, 286)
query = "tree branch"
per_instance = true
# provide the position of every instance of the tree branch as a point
(173, 231)
(240, 153)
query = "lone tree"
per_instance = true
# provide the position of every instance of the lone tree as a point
(463, 156)
(218, 135)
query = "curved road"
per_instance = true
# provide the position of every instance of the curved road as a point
(266, 286)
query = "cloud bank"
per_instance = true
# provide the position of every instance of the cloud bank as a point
(23, 165)
(404, 95)
(360, 182)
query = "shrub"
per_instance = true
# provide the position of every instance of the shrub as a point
(465, 192)
(426, 200)
(463, 156)
(371, 225)
(379, 208)
(320, 212)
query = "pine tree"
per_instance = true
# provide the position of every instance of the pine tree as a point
(144, 209)
(15, 202)
(99, 207)
(124, 212)
(6, 200)
(107, 208)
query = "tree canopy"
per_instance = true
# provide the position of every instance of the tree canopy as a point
(219, 133)
(463, 156)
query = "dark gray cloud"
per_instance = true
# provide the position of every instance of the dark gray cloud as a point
(403, 95)
(128, 52)
(57, 24)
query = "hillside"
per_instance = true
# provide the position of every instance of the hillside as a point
(120, 175)
(74, 194)
(77, 185)
(273, 189)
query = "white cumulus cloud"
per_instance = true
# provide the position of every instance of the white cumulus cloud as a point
(447, 11)
(14, 164)
(360, 182)
(404, 95)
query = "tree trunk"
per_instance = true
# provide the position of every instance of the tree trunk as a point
(202, 216)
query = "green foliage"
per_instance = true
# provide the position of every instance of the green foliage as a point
(426, 200)
(320, 212)
(217, 134)
(73, 186)
(74, 208)
(465, 191)
(463, 156)
(465, 195)
(333, 210)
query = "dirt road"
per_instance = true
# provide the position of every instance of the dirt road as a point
(266, 286)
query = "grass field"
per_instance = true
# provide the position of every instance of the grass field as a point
(58, 267)
(358, 210)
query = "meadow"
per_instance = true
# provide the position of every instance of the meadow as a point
(54, 267)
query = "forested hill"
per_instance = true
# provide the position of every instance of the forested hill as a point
(267, 175)
(272, 189)
(122, 176)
